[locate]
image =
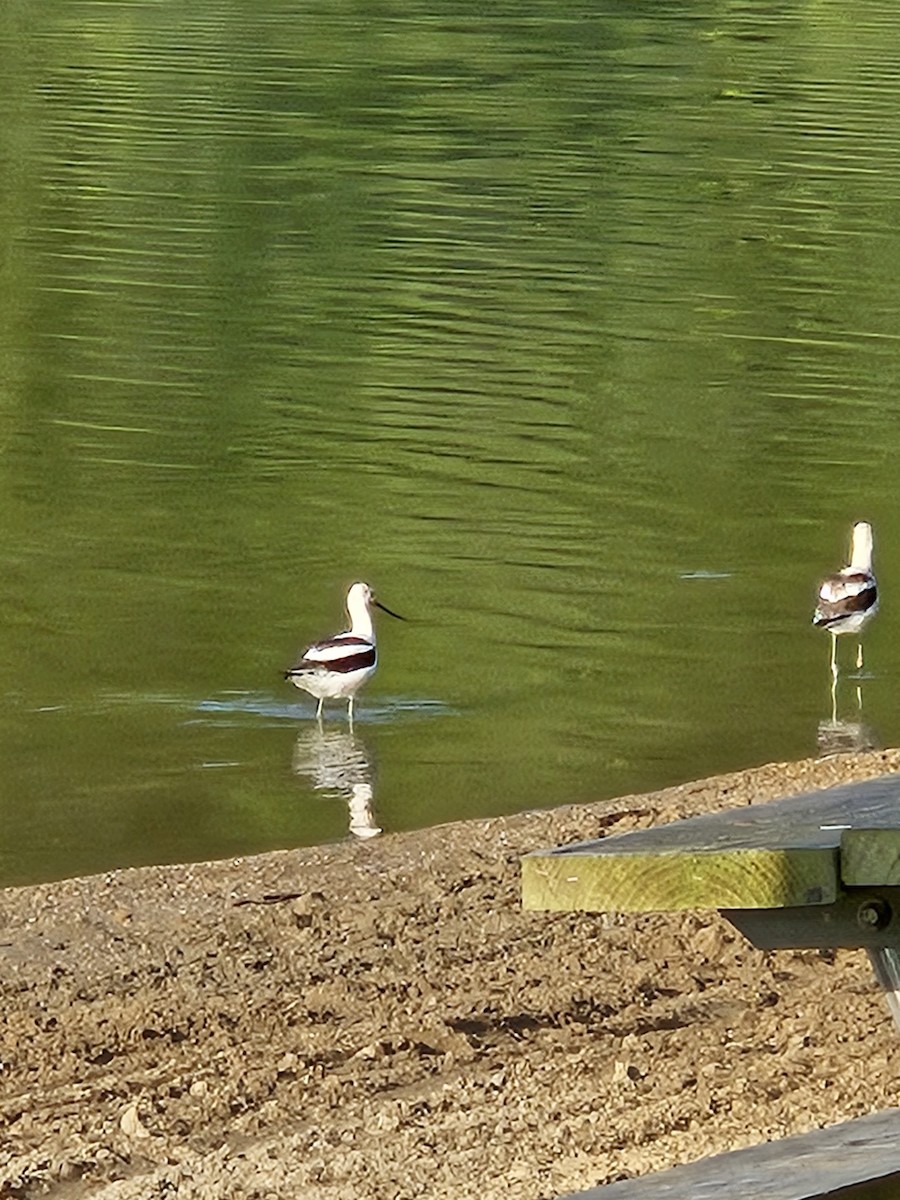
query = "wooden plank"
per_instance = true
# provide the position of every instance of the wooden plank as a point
(786, 852)
(871, 857)
(664, 881)
(859, 1159)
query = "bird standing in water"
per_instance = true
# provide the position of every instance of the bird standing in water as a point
(336, 668)
(848, 600)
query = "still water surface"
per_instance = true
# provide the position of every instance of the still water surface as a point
(573, 332)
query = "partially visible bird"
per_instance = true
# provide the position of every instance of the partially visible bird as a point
(335, 669)
(848, 600)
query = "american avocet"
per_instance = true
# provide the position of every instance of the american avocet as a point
(336, 668)
(849, 599)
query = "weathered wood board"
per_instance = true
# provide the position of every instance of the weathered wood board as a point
(784, 853)
(871, 856)
(859, 1159)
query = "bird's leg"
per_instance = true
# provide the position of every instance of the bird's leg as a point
(350, 712)
(834, 700)
(834, 667)
(859, 656)
(319, 709)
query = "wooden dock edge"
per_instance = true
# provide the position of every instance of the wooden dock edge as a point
(858, 1159)
(566, 881)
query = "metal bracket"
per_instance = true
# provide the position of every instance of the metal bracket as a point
(860, 918)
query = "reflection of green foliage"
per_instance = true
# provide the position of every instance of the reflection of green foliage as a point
(518, 312)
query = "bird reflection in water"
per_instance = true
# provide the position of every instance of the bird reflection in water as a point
(337, 762)
(845, 736)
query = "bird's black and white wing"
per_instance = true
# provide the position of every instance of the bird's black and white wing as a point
(844, 596)
(340, 655)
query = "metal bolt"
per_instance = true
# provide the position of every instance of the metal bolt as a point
(874, 914)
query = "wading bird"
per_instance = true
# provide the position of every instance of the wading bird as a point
(848, 600)
(335, 669)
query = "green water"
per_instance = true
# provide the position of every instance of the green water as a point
(574, 332)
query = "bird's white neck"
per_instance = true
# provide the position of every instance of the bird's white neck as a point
(861, 553)
(360, 617)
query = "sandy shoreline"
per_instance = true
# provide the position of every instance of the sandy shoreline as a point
(380, 1020)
